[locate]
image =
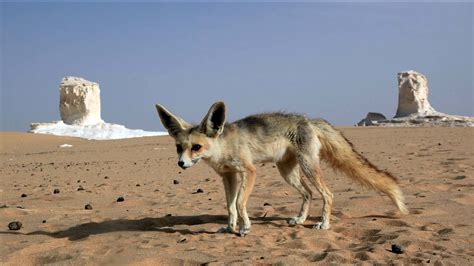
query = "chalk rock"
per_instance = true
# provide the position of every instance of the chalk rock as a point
(413, 95)
(371, 118)
(79, 102)
(414, 109)
(79, 107)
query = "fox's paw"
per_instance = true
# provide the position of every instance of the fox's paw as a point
(244, 230)
(296, 220)
(321, 226)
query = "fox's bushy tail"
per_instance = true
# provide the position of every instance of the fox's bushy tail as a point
(340, 154)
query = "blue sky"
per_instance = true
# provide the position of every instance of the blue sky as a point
(332, 60)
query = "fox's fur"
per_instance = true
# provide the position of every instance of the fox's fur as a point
(293, 142)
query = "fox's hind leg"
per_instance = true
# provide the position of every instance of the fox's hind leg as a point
(313, 172)
(231, 187)
(290, 171)
(308, 158)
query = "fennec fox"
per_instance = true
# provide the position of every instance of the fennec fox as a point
(293, 142)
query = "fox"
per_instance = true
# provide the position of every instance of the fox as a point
(294, 142)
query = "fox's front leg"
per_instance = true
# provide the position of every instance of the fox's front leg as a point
(246, 186)
(231, 187)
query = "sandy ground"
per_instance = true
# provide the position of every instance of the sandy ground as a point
(160, 222)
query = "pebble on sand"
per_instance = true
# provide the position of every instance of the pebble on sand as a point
(199, 190)
(88, 207)
(175, 182)
(14, 225)
(24, 195)
(397, 249)
(120, 199)
(56, 191)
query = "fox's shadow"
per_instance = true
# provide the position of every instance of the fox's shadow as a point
(162, 224)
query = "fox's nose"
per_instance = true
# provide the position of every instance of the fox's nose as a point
(181, 164)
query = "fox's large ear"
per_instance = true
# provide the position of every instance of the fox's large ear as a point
(172, 123)
(213, 123)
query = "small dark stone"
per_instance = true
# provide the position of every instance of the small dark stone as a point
(397, 249)
(374, 219)
(44, 221)
(120, 199)
(175, 182)
(262, 258)
(88, 207)
(14, 225)
(56, 191)
(207, 179)
(138, 185)
(179, 172)
(168, 215)
(3, 206)
(106, 177)
(20, 207)
(79, 181)
(210, 199)
(439, 143)
(267, 204)
(182, 240)
(428, 261)
(24, 195)
(80, 188)
(199, 190)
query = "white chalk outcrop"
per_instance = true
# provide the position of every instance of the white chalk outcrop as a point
(414, 109)
(79, 101)
(413, 95)
(79, 107)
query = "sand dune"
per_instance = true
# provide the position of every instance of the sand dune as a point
(160, 222)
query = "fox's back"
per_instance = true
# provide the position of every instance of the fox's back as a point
(274, 124)
(269, 136)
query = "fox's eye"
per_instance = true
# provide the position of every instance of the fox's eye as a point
(196, 147)
(179, 149)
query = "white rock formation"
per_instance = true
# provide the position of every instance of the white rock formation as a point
(79, 101)
(414, 109)
(101, 131)
(413, 95)
(79, 106)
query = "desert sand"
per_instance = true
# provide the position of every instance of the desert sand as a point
(160, 222)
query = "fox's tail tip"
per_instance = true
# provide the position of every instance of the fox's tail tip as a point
(403, 208)
(399, 201)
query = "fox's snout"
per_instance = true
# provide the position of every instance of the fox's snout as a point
(183, 165)
(186, 163)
